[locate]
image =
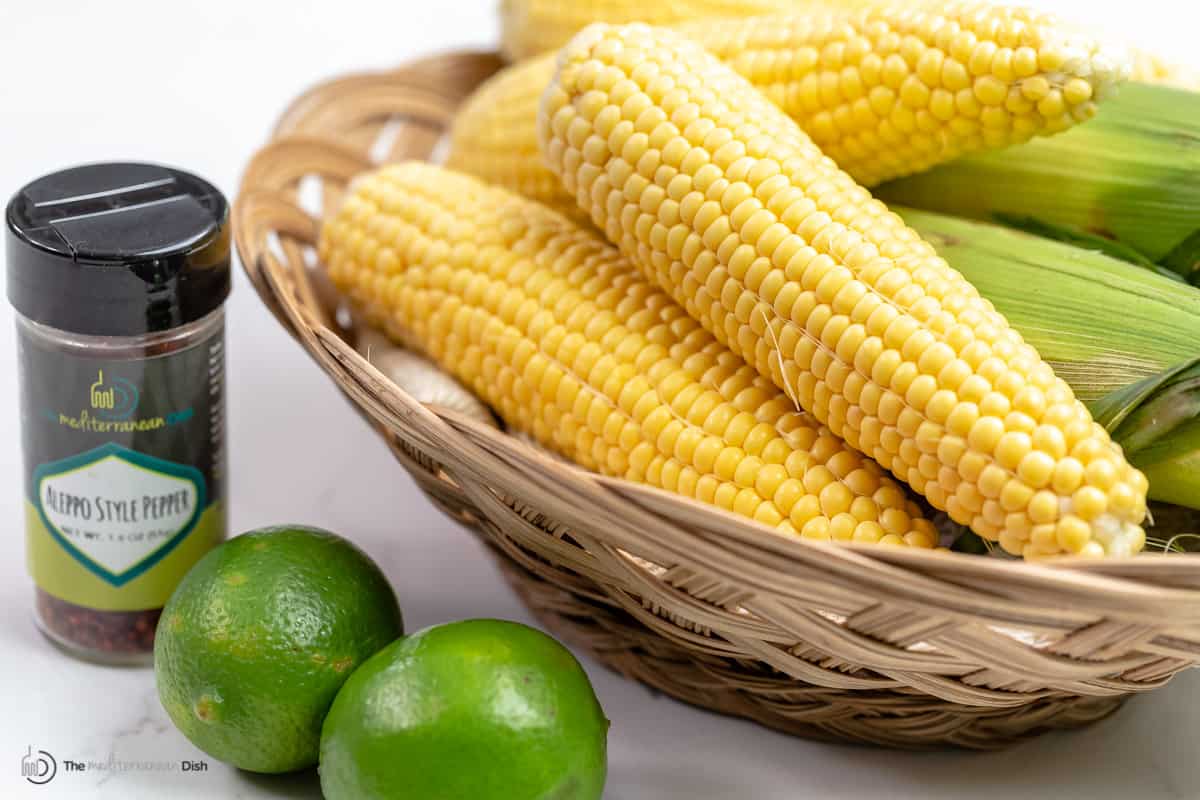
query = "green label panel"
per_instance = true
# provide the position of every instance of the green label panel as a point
(55, 570)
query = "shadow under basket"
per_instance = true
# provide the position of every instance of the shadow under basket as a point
(890, 646)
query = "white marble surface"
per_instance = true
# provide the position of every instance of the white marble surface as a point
(198, 84)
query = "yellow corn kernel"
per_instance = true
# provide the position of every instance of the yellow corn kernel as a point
(1089, 502)
(1072, 534)
(1068, 475)
(816, 528)
(1015, 495)
(518, 301)
(1036, 469)
(1102, 473)
(872, 533)
(845, 103)
(747, 168)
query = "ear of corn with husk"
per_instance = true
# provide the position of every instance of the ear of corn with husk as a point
(1127, 183)
(1123, 338)
(724, 201)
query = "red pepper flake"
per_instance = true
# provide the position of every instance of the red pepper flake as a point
(116, 632)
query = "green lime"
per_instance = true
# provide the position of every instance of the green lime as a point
(259, 636)
(482, 709)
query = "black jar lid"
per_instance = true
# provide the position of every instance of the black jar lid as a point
(118, 249)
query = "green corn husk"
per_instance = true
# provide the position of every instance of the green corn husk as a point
(1125, 339)
(1126, 183)
(1157, 421)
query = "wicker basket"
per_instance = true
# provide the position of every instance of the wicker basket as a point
(883, 645)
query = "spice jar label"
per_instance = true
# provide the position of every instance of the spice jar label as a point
(126, 468)
(118, 512)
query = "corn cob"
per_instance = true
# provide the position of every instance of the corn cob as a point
(889, 89)
(1127, 183)
(531, 27)
(885, 91)
(569, 343)
(721, 198)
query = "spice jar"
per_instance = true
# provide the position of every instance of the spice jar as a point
(118, 273)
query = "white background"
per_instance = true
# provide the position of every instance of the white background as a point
(198, 84)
